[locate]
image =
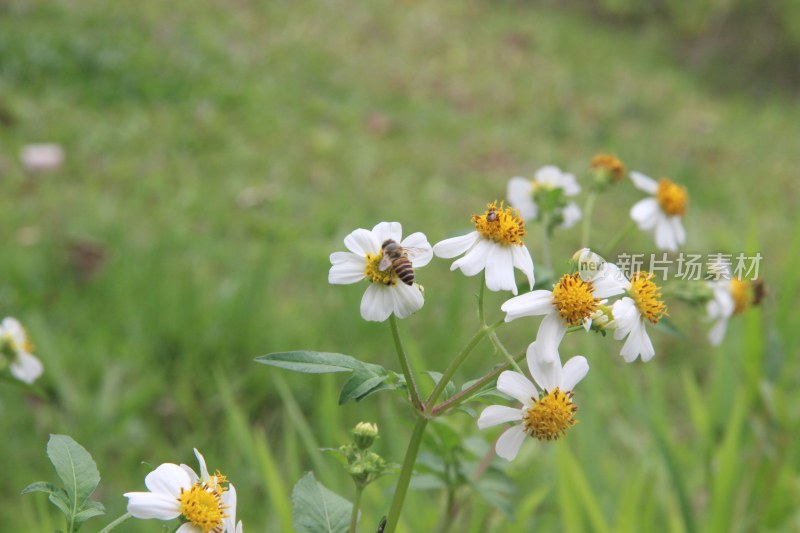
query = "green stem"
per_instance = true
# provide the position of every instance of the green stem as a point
(405, 474)
(356, 505)
(609, 247)
(588, 208)
(502, 349)
(406, 366)
(116, 522)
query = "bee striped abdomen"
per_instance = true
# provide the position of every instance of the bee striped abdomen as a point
(402, 267)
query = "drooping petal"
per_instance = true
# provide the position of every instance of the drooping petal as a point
(407, 299)
(452, 247)
(153, 505)
(517, 386)
(717, 332)
(387, 230)
(362, 242)
(523, 262)
(545, 372)
(346, 268)
(573, 372)
(534, 303)
(376, 304)
(474, 261)
(498, 414)
(665, 236)
(26, 367)
(229, 501)
(644, 183)
(646, 213)
(168, 479)
(520, 195)
(625, 317)
(500, 269)
(418, 249)
(677, 230)
(509, 442)
(548, 338)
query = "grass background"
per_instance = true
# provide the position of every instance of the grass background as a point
(217, 152)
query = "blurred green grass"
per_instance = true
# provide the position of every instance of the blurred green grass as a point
(218, 152)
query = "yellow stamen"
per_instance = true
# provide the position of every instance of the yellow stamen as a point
(574, 299)
(375, 275)
(740, 291)
(551, 415)
(202, 506)
(609, 163)
(647, 296)
(672, 197)
(502, 225)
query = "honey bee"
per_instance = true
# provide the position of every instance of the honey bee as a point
(396, 257)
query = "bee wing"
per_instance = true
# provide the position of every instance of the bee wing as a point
(385, 263)
(415, 253)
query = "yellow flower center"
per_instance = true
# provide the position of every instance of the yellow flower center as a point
(202, 505)
(502, 225)
(740, 290)
(375, 275)
(574, 299)
(647, 296)
(551, 415)
(672, 197)
(609, 163)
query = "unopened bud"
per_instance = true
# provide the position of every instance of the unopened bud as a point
(364, 434)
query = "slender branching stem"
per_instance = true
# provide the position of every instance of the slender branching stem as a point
(116, 522)
(413, 391)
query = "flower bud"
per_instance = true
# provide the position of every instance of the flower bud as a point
(364, 434)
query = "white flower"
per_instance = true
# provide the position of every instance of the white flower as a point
(643, 303)
(206, 503)
(730, 296)
(41, 157)
(387, 292)
(15, 345)
(545, 416)
(663, 212)
(574, 301)
(522, 193)
(496, 246)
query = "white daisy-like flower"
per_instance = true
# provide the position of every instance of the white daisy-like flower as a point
(643, 303)
(523, 194)
(495, 246)
(204, 503)
(545, 415)
(730, 296)
(575, 300)
(662, 213)
(16, 349)
(387, 262)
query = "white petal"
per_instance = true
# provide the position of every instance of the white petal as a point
(534, 303)
(677, 230)
(347, 268)
(377, 303)
(570, 184)
(520, 195)
(500, 269)
(717, 333)
(517, 386)
(419, 250)
(168, 479)
(549, 175)
(626, 315)
(229, 501)
(153, 505)
(406, 299)
(551, 332)
(610, 281)
(362, 242)
(572, 215)
(646, 213)
(498, 414)
(188, 527)
(665, 236)
(14, 328)
(573, 372)
(638, 343)
(474, 260)
(449, 248)
(644, 183)
(523, 261)
(388, 230)
(509, 442)
(546, 373)
(26, 367)
(202, 461)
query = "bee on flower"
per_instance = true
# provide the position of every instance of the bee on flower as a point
(546, 194)
(387, 262)
(547, 411)
(16, 352)
(496, 246)
(662, 213)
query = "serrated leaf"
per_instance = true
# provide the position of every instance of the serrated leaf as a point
(76, 469)
(310, 362)
(315, 509)
(449, 389)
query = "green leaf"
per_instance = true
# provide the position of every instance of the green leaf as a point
(315, 509)
(77, 471)
(449, 389)
(90, 510)
(362, 383)
(311, 362)
(41, 486)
